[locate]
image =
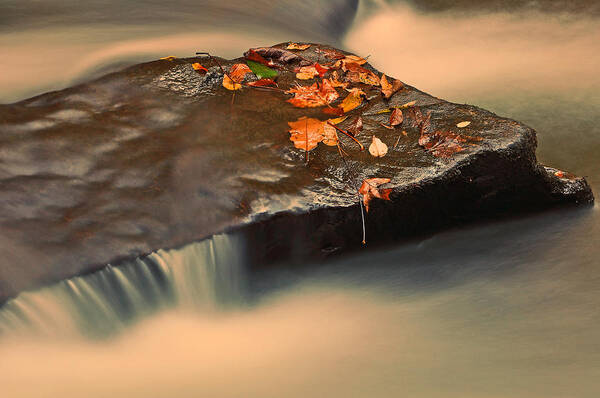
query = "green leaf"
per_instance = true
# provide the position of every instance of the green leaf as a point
(261, 71)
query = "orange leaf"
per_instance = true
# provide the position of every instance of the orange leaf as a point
(329, 135)
(169, 58)
(352, 100)
(307, 72)
(335, 82)
(232, 80)
(358, 74)
(369, 190)
(387, 88)
(306, 133)
(314, 95)
(199, 68)
(296, 46)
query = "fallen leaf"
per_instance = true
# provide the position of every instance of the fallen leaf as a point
(369, 190)
(350, 59)
(406, 105)
(396, 117)
(169, 58)
(463, 124)
(277, 56)
(335, 82)
(330, 136)
(260, 70)
(333, 111)
(314, 95)
(387, 88)
(199, 68)
(358, 74)
(252, 55)
(331, 53)
(444, 144)
(378, 148)
(263, 83)
(296, 46)
(232, 80)
(306, 133)
(307, 72)
(356, 126)
(337, 120)
(352, 100)
(559, 174)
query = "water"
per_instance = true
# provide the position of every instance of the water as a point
(505, 309)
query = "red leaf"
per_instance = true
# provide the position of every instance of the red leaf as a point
(334, 111)
(263, 82)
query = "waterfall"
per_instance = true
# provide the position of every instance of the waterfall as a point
(202, 276)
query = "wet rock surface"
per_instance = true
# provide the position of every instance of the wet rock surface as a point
(158, 155)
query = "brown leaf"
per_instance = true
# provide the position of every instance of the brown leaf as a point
(331, 53)
(263, 82)
(333, 111)
(330, 136)
(369, 190)
(444, 144)
(387, 88)
(277, 56)
(335, 82)
(256, 57)
(306, 133)
(396, 117)
(358, 74)
(314, 95)
(353, 99)
(356, 126)
(296, 46)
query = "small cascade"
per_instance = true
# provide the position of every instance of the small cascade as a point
(202, 276)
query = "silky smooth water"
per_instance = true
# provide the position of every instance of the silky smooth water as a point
(502, 309)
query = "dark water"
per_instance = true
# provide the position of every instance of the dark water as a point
(506, 309)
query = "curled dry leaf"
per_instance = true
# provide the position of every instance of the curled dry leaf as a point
(407, 105)
(463, 124)
(252, 55)
(169, 58)
(353, 99)
(377, 148)
(314, 95)
(369, 190)
(306, 133)
(296, 46)
(199, 68)
(387, 88)
(232, 80)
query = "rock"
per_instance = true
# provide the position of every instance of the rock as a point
(159, 155)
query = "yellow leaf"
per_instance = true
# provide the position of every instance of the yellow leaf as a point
(352, 100)
(337, 120)
(230, 84)
(169, 58)
(296, 46)
(463, 124)
(378, 148)
(407, 105)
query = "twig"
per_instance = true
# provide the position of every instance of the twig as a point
(362, 148)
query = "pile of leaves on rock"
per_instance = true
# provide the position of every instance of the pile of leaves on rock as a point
(338, 84)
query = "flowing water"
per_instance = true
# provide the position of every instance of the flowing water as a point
(503, 309)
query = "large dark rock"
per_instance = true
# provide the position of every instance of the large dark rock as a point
(158, 155)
